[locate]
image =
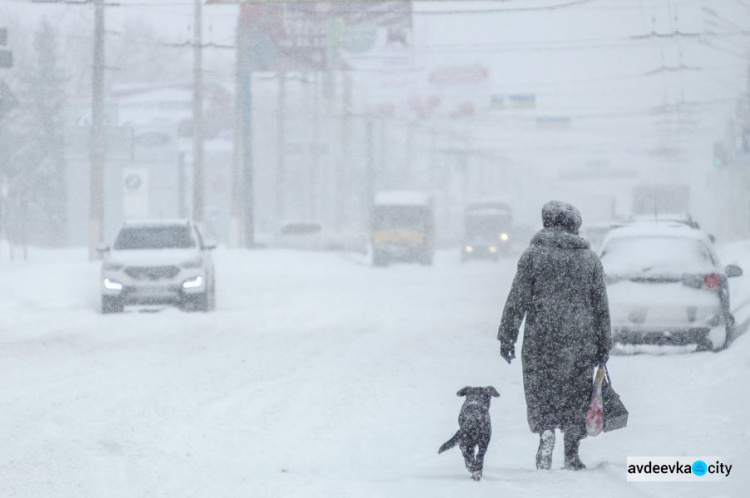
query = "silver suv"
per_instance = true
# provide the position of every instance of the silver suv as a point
(158, 262)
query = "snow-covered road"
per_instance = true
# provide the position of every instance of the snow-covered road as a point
(317, 376)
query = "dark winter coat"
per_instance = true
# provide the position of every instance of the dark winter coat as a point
(559, 288)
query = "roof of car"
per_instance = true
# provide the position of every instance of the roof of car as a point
(663, 229)
(156, 222)
(402, 198)
(683, 218)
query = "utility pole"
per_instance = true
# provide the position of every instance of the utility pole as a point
(281, 183)
(236, 231)
(313, 172)
(370, 173)
(198, 113)
(244, 80)
(342, 192)
(98, 137)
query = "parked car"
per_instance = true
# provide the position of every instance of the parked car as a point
(158, 262)
(666, 286)
(309, 235)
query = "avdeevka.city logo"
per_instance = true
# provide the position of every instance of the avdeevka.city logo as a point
(684, 468)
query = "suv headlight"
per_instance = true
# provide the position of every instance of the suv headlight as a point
(196, 262)
(193, 283)
(111, 265)
(113, 285)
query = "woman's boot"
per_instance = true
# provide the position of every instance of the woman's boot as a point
(544, 453)
(572, 441)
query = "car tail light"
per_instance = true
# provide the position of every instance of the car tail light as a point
(712, 281)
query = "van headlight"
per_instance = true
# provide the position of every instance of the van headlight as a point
(469, 249)
(193, 283)
(504, 237)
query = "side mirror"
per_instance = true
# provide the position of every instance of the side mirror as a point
(209, 245)
(733, 271)
(102, 248)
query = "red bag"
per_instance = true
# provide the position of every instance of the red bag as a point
(595, 415)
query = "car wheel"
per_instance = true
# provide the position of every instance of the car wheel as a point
(112, 304)
(704, 345)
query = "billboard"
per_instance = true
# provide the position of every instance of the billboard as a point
(326, 36)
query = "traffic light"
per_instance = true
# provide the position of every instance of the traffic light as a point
(721, 158)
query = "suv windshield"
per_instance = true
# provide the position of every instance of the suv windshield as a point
(655, 255)
(156, 237)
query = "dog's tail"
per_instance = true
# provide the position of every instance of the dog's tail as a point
(451, 442)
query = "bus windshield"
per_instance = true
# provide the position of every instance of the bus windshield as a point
(401, 217)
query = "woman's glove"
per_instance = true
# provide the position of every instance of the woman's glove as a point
(507, 351)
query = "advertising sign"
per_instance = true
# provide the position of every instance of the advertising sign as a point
(505, 101)
(459, 75)
(326, 36)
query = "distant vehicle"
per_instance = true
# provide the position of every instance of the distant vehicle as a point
(666, 286)
(307, 235)
(158, 262)
(487, 230)
(402, 228)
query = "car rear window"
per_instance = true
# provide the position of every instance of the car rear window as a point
(655, 255)
(164, 237)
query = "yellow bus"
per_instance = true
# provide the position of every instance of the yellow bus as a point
(402, 228)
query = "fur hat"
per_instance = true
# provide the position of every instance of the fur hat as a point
(561, 214)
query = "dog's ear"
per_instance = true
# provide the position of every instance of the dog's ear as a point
(492, 391)
(464, 391)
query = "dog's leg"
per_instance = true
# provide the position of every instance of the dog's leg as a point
(479, 462)
(468, 453)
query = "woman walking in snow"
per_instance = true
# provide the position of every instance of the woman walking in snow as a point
(559, 289)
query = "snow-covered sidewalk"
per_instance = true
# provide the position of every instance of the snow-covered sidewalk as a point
(317, 376)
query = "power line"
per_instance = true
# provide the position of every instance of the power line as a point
(161, 3)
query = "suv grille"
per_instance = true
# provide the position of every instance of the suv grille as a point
(152, 272)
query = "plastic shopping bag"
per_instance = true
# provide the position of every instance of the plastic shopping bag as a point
(615, 413)
(595, 415)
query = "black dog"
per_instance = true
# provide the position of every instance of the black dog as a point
(475, 428)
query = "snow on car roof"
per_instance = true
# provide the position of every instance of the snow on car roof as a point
(487, 211)
(403, 198)
(674, 229)
(156, 222)
(503, 199)
(684, 217)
